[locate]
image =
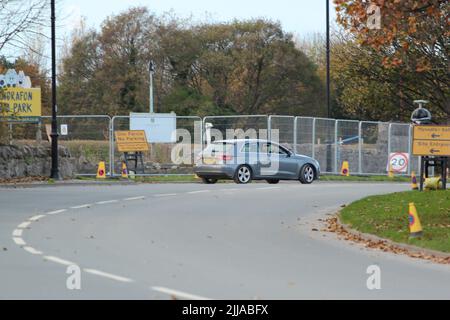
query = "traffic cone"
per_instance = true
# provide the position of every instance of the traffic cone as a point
(345, 171)
(415, 228)
(101, 171)
(414, 185)
(124, 170)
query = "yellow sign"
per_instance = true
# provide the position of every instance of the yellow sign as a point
(431, 141)
(20, 102)
(131, 141)
(431, 133)
(431, 148)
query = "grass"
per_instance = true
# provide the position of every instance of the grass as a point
(387, 216)
(380, 178)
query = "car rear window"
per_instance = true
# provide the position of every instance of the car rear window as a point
(220, 148)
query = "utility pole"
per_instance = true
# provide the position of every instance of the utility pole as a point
(54, 134)
(151, 71)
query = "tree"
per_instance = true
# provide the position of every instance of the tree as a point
(238, 67)
(21, 21)
(412, 43)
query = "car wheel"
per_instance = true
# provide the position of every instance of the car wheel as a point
(307, 174)
(243, 175)
(272, 181)
(209, 180)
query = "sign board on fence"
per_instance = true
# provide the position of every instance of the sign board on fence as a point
(431, 141)
(131, 141)
(64, 130)
(159, 127)
(398, 161)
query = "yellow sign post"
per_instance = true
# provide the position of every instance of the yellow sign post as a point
(131, 141)
(431, 141)
(20, 102)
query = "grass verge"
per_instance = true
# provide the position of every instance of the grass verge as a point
(386, 216)
(365, 178)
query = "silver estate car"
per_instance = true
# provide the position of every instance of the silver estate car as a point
(244, 160)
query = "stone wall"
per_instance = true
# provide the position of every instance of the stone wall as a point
(31, 161)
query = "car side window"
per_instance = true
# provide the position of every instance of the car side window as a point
(250, 147)
(264, 148)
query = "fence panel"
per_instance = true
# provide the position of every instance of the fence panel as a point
(374, 147)
(164, 158)
(245, 126)
(16, 132)
(304, 136)
(285, 125)
(325, 144)
(347, 144)
(87, 139)
(400, 141)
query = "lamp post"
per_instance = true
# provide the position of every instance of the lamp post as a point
(329, 165)
(328, 60)
(151, 71)
(54, 134)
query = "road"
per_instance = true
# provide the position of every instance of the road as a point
(223, 241)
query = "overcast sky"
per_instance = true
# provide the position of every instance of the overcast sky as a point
(299, 16)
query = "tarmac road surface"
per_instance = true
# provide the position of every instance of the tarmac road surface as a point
(193, 241)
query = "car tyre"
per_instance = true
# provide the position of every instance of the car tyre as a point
(307, 174)
(208, 180)
(273, 181)
(243, 175)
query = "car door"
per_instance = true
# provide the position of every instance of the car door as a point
(281, 158)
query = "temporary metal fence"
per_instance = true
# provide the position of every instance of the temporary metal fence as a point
(163, 158)
(365, 145)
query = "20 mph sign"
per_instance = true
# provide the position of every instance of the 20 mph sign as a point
(398, 162)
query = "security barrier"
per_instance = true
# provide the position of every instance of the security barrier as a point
(365, 145)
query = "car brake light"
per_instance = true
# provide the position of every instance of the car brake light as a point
(225, 157)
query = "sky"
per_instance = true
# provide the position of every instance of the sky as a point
(300, 17)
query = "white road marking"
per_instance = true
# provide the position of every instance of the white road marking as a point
(58, 260)
(19, 241)
(200, 191)
(82, 206)
(179, 294)
(36, 218)
(17, 233)
(108, 275)
(56, 211)
(32, 250)
(165, 195)
(107, 202)
(228, 190)
(134, 198)
(24, 225)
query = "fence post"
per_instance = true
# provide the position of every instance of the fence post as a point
(360, 147)
(336, 148)
(409, 149)
(389, 139)
(111, 148)
(111, 158)
(295, 134)
(269, 128)
(313, 146)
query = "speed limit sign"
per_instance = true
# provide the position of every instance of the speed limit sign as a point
(398, 162)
